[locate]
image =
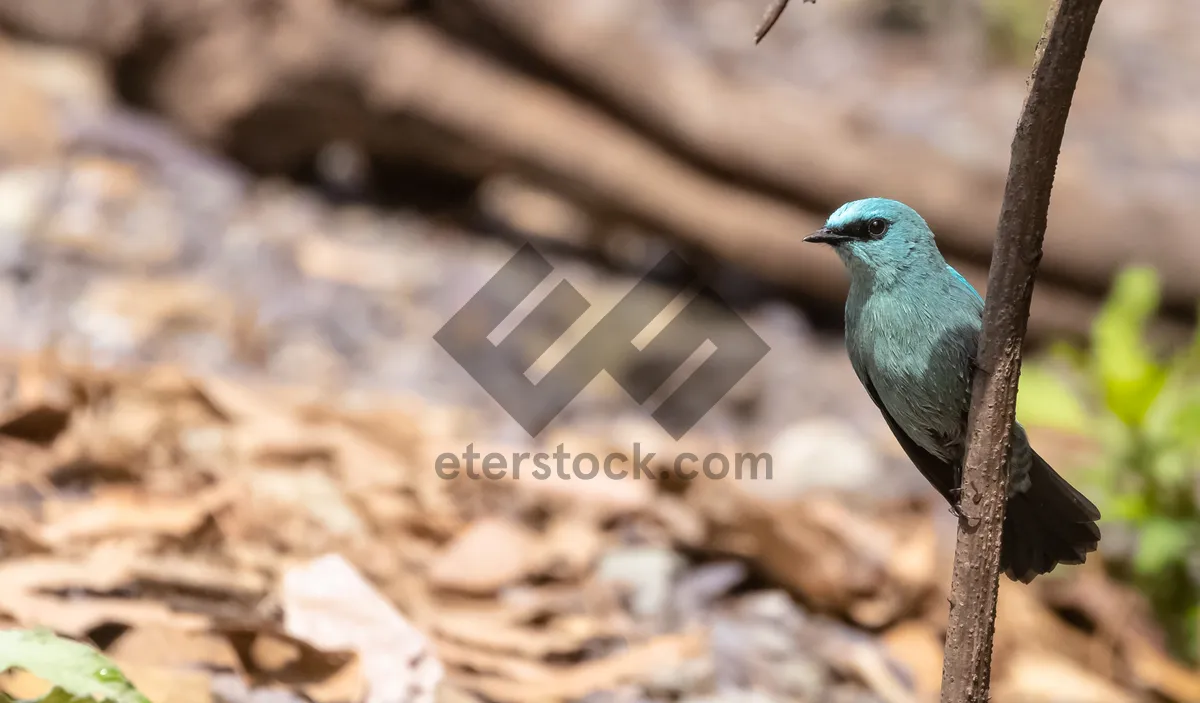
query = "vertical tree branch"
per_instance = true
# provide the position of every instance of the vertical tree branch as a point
(1018, 249)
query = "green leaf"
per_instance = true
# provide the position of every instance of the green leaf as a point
(1128, 373)
(1184, 424)
(1161, 542)
(1045, 399)
(57, 695)
(1171, 469)
(1193, 634)
(74, 667)
(1068, 355)
(1130, 507)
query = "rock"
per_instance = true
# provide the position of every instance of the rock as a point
(491, 554)
(648, 572)
(734, 696)
(23, 192)
(820, 453)
(125, 313)
(109, 211)
(701, 586)
(798, 676)
(761, 642)
(853, 694)
(687, 677)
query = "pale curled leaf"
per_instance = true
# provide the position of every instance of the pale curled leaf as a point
(330, 606)
(72, 666)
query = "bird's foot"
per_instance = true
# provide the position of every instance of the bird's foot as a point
(956, 504)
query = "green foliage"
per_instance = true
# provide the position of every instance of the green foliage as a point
(1144, 409)
(78, 672)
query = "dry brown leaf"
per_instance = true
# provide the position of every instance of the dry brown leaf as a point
(304, 508)
(28, 132)
(1125, 632)
(20, 536)
(22, 685)
(366, 265)
(36, 399)
(272, 654)
(239, 403)
(506, 666)
(162, 647)
(22, 582)
(196, 574)
(681, 521)
(1025, 624)
(168, 684)
(448, 692)
(874, 567)
(121, 511)
(364, 465)
(539, 682)
(499, 634)
(1044, 677)
(278, 440)
(1157, 672)
(917, 646)
(490, 554)
(570, 549)
(328, 605)
(347, 685)
(599, 498)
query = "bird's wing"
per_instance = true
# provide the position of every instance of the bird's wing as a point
(941, 474)
(966, 283)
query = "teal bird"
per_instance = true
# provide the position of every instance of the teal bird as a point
(912, 330)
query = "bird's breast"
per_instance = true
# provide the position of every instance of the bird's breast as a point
(919, 362)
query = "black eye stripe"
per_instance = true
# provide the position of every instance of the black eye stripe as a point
(861, 229)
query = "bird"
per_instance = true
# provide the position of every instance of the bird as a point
(912, 329)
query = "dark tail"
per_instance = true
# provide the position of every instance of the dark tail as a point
(1049, 524)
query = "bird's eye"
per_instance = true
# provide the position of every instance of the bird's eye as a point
(877, 227)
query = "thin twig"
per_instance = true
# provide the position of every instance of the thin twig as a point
(771, 17)
(1018, 249)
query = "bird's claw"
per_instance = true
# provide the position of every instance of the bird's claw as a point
(956, 503)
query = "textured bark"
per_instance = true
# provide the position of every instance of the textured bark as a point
(967, 670)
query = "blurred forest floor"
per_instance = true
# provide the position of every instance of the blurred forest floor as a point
(243, 380)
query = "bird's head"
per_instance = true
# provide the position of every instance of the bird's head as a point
(876, 235)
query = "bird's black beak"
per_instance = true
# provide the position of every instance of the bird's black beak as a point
(826, 236)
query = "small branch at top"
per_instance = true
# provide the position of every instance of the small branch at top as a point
(771, 17)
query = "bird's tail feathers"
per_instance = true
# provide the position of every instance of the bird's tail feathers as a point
(1050, 523)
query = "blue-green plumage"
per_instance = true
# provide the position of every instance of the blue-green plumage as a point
(912, 329)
